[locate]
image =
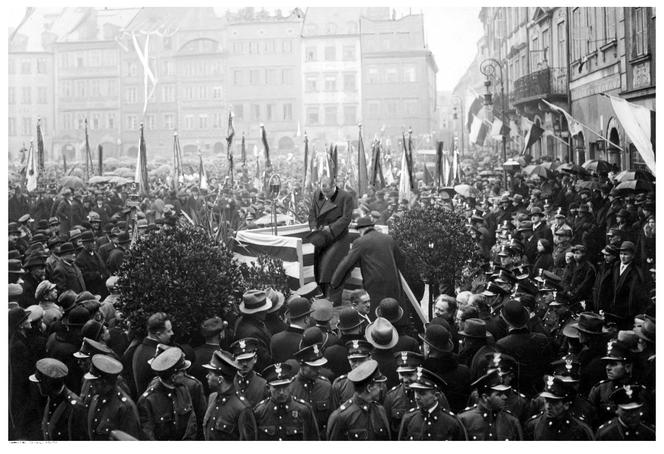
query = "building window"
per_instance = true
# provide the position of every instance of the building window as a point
(270, 77)
(216, 92)
(268, 112)
(350, 115)
(26, 67)
(11, 128)
(203, 121)
(286, 76)
(374, 109)
(349, 53)
(256, 111)
(168, 43)
(188, 122)
(94, 88)
(79, 88)
(610, 23)
(254, 77)
(372, 74)
(217, 120)
(41, 66)
(237, 77)
(131, 95)
(26, 97)
(238, 111)
(68, 121)
(409, 74)
(169, 121)
(331, 115)
(41, 95)
(132, 69)
(310, 83)
(534, 60)
(312, 115)
(131, 122)
(349, 82)
(11, 66)
(27, 126)
(94, 124)
(330, 53)
(391, 75)
(287, 112)
(330, 82)
(310, 54)
(80, 122)
(562, 43)
(577, 33)
(391, 106)
(11, 96)
(168, 93)
(640, 27)
(110, 121)
(287, 46)
(410, 107)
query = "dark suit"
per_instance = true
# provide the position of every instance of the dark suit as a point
(629, 294)
(65, 213)
(581, 283)
(336, 213)
(542, 231)
(285, 343)
(379, 259)
(533, 352)
(68, 277)
(94, 272)
(457, 377)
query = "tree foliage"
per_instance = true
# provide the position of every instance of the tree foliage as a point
(183, 272)
(436, 242)
(265, 272)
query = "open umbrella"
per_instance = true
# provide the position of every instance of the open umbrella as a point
(466, 190)
(123, 172)
(632, 186)
(511, 164)
(98, 179)
(590, 185)
(553, 166)
(120, 181)
(627, 175)
(161, 171)
(447, 192)
(597, 166)
(570, 167)
(538, 170)
(71, 182)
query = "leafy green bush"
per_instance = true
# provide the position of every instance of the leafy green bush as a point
(436, 242)
(265, 272)
(182, 272)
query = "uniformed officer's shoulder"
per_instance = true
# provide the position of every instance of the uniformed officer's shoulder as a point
(508, 412)
(72, 398)
(467, 409)
(151, 389)
(262, 403)
(346, 405)
(602, 382)
(339, 379)
(522, 395)
(538, 415)
(300, 401)
(393, 388)
(323, 378)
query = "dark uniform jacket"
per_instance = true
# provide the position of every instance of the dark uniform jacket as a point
(315, 393)
(68, 277)
(565, 428)
(630, 293)
(482, 424)
(615, 430)
(64, 418)
(580, 408)
(605, 409)
(285, 343)
(142, 373)
(167, 413)
(292, 421)
(457, 377)
(115, 411)
(336, 213)
(358, 420)
(342, 390)
(252, 386)
(582, 281)
(432, 424)
(229, 418)
(533, 352)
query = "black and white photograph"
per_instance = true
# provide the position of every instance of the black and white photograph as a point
(326, 223)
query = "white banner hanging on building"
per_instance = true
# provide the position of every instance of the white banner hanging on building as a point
(636, 121)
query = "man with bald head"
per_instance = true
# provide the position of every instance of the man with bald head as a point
(329, 216)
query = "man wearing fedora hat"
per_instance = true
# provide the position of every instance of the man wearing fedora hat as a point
(361, 418)
(630, 287)
(474, 339)
(644, 365)
(66, 274)
(229, 415)
(439, 358)
(386, 341)
(627, 424)
(275, 316)
(166, 408)
(284, 344)
(35, 266)
(283, 416)
(531, 349)
(92, 266)
(117, 253)
(429, 420)
(251, 323)
(379, 259)
(540, 228)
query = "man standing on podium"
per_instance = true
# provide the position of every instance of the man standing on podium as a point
(329, 216)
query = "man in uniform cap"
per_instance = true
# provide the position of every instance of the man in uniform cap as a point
(540, 229)
(84, 355)
(229, 416)
(488, 419)
(619, 363)
(251, 324)
(627, 424)
(508, 367)
(361, 418)
(166, 408)
(110, 407)
(308, 291)
(283, 416)
(247, 382)
(359, 351)
(556, 423)
(429, 420)
(284, 344)
(310, 386)
(64, 414)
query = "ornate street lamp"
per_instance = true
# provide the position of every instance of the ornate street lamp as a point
(488, 68)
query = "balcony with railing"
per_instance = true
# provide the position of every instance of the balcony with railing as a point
(547, 83)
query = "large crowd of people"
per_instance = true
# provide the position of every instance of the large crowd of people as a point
(550, 337)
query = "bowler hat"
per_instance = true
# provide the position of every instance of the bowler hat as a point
(475, 328)
(365, 221)
(389, 309)
(254, 301)
(437, 337)
(78, 316)
(425, 379)
(514, 314)
(322, 313)
(627, 246)
(66, 248)
(647, 330)
(298, 307)
(35, 260)
(212, 326)
(278, 374)
(381, 334)
(123, 238)
(349, 318)
(49, 368)
(314, 335)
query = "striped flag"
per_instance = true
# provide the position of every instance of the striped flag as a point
(478, 131)
(31, 169)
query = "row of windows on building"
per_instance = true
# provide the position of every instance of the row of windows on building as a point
(396, 40)
(28, 126)
(263, 76)
(330, 115)
(271, 46)
(93, 58)
(389, 74)
(347, 52)
(82, 88)
(26, 95)
(346, 82)
(25, 66)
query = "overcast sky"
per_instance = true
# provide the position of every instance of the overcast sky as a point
(451, 31)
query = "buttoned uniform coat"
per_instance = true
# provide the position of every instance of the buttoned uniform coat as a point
(113, 412)
(291, 421)
(336, 213)
(429, 425)
(167, 413)
(379, 259)
(482, 424)
(63, 418)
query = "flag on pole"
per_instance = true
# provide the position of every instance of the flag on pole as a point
(306, 160)
(406, 151)
(455, 167)
(266, 147)
(478, 131)
(405, 191)
(87, 153)
(229, 145)
(446, 171)
(534, 134)
(100, 159)
(439, 163)
(257, 178)
(428, 178)
(141, 176)
(202, 176)
(243, 151)
(362, 177)
(31, 169)
(40, 147)
(573, 126)
(333, 160)
(177, 162)
(496, 129)
(637, 122)
(475, 103)
(377, 180)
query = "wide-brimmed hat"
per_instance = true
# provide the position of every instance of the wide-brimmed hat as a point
(365, 221)
(66, 248)
(254, 301)
(15, 267)
(390, 309)
(277, 299)
(515, 314)
(381, 334)
(437, 337)
(222, 363)
(647, 330)
(475, 328)
(589, 323)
